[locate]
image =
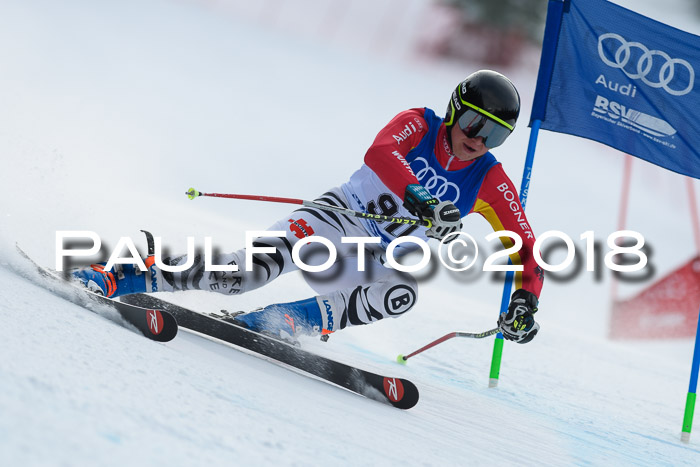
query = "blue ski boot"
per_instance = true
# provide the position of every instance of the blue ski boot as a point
(283, 321)
(123, 279)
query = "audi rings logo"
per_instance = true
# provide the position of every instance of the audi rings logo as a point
(436, 184)
(645, 64)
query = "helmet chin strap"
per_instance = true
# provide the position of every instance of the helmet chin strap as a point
(448, 131)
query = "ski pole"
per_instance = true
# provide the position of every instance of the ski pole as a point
(473, 335)
(192, 194)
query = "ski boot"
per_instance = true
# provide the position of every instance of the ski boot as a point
(282, 321)
(122, 279)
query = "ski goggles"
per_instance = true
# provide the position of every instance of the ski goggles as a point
(494, 130)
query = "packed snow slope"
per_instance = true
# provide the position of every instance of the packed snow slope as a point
(112, 110)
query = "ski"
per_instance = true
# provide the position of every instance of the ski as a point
(398, 392)
(153, 323)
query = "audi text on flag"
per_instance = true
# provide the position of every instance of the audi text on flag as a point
(624, 80)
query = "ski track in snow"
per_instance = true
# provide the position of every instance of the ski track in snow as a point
(112, 111)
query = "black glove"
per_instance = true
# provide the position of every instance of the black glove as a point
(444, 216)
(518, 324)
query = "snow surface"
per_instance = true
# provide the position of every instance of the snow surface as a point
(111, 110)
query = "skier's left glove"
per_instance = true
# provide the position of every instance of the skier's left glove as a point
(518, 324)
(444, 216)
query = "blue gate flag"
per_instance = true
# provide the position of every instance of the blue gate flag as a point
(624, 80)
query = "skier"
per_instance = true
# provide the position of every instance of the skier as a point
(419, 164)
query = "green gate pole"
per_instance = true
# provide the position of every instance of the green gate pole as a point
(692, 388)
(507, 286)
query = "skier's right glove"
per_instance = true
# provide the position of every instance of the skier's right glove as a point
(444, 216)
(518, 324)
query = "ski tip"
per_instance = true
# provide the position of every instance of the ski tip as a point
(192, 193)
(401, 393)
(401, 359)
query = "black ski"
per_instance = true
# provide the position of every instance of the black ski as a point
(155, 324)
(398, 392)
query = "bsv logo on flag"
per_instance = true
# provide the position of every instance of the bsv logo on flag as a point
(632, 119)
(616, 52)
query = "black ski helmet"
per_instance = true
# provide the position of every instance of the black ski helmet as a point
(489, 93)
